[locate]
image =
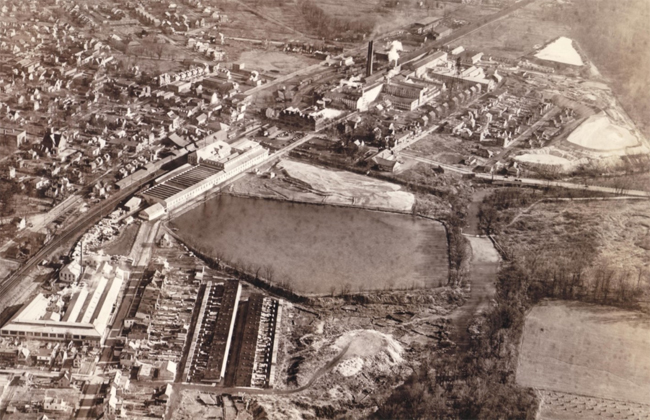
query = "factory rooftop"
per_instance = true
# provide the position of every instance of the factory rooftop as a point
(79, 312)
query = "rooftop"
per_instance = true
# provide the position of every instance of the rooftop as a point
(86, 315)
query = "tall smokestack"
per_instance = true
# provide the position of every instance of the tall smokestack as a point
(371, 58)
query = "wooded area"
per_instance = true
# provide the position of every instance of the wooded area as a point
(329, 27)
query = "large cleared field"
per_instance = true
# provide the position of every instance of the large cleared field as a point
(598, 133)
(561, 51)
(275, 61)
(521, 33)
(587, 350)
(320, 249)
(347, 188)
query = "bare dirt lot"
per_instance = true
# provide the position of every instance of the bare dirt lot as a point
(515, 36)
(191, 408)
(302, 182)
(346, 360)
(124, 242)
(588, 350)
(270, 60)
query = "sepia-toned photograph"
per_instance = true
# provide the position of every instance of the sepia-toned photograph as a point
(325, 209)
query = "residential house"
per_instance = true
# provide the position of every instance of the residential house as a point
(70, 273)
(54, 142)
(52, 191)
(63, 380)
(55, 404)
(45, 355)
(127, 359)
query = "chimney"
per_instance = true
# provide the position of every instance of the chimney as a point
(371, 57)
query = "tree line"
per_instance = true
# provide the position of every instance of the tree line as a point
(571, 268)
(478, 383)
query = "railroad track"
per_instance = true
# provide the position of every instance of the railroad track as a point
(89, 219)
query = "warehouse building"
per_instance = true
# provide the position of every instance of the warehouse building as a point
(208, 167)
(84, 317)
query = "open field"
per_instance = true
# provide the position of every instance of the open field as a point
(560, 406)
(587, 350)
(242, 22)
(518, 35)
(306, 183)
(278, 61)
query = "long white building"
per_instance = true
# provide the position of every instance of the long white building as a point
(208, 167)
(81, 312)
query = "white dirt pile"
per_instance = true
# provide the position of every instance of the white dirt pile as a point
(561, 51)
(598, 133)
(328, 113)
(368, 349)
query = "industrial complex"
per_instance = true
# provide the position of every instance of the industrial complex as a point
(206, 168)
(281, 210)
(80, 312)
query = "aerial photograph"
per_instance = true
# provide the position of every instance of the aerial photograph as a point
(324, 209)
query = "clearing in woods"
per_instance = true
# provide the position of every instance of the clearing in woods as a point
(596, 352)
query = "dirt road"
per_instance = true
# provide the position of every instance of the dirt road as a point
(483, 275)
(484, 267)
